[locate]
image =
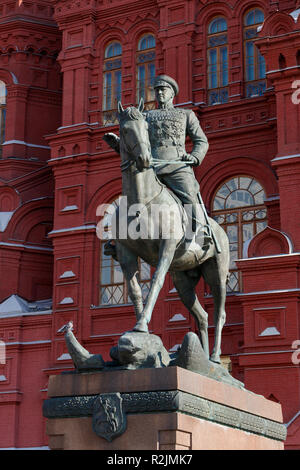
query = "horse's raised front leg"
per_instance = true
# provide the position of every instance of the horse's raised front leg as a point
(185, 287)
(166, 254)
(129, 264)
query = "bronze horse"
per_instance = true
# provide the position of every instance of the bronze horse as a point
(186, 262)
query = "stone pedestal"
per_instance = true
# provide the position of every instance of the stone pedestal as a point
(158, 409)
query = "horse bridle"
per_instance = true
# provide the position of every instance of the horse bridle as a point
(127, 164)
(129, 150)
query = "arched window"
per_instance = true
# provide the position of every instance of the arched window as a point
(112, 82)
(217, 57)
(281, 61)
(113, 288)
(238, 206)
(145, 70)
(255, 66)
(2, 113)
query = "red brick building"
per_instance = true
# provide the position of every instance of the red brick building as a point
(63, 66)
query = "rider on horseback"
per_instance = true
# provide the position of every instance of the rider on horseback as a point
(168, 127)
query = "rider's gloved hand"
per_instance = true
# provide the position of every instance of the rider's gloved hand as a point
(189, 158)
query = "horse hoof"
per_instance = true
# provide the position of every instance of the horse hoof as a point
(215, 359)
(141, 328)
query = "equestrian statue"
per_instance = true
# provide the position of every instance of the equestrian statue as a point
(157, 172)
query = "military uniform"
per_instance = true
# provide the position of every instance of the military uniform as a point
(168, 129)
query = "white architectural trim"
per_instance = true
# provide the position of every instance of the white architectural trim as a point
(279, 291)
(294, 14)
(293, 419)
(25, 448)
(264, 352)
(25, 314)
(22, 245)
(286, 157)
(271, 256)
(21, 142)
(28, 343)
(247, 243)
(71, 229)
(4, 219)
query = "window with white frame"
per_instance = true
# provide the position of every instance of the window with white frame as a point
(112, 82)
(238, 206)
(145, 70)
(3, 92)
(217, 57)
(255, 66)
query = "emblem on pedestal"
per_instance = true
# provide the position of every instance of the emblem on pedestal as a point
(109, 419)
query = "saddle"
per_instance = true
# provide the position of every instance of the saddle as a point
(201, 239)
(202, 231)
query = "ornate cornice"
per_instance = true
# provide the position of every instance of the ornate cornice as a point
(169, 401)
(67, 11)
(29, 9)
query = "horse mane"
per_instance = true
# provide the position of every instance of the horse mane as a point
(130, 114)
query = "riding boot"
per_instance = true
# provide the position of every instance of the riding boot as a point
(198, 232)
(207, 239)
